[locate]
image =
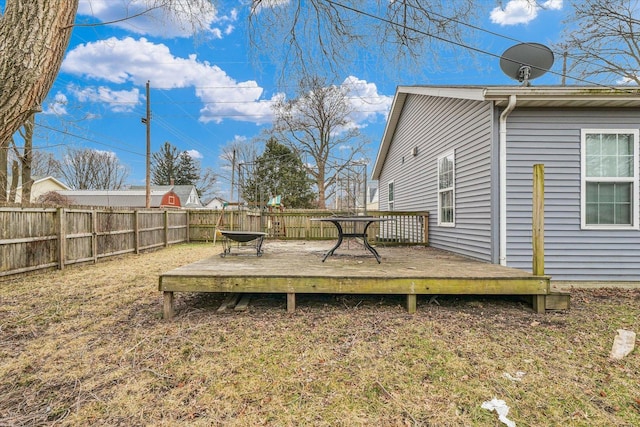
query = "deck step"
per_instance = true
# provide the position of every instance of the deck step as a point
(558, 301)
(229, 302)
(243, 303)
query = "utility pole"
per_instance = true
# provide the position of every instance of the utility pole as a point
(147, 121)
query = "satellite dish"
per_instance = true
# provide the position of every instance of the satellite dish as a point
(526, 61)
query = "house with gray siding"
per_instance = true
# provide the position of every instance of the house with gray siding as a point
(466, 154)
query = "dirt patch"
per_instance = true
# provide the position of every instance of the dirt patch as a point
(87, 345)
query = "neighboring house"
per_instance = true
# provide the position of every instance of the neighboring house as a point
(160, 198)
(372, 196)
(187, 193)
(466, 154)
(40, 186)
(217, 203)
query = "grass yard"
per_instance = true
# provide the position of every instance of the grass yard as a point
(87, 346)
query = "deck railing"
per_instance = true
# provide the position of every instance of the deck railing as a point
(400, 227)
(40, 238)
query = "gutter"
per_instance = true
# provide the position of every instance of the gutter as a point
(502, 159)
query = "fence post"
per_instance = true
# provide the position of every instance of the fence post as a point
(62, 236)
(136, 231)
(425, 228)
(94, 235)
(188, 225)
(166, 228)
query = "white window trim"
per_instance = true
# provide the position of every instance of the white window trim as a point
(391, 202)
(453, 189)
(583, 181)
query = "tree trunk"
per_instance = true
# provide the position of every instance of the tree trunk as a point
(13, 188)
(26, 159)
(34, 36)
(4, 158)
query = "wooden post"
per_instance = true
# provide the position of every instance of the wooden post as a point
(188, 220)
(94, 235)
(62, 238)
(136, 231)
(167, 307)
(291, 302)
(538, 220)
(425, 222)
(412, 303)
(166, 228)
(537, 236)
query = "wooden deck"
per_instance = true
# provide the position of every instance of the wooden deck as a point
(297, 267)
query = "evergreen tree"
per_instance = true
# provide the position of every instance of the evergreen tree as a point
(187, 171)
(164, 166)
(279, 172)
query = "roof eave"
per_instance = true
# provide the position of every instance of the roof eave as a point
(528, 96)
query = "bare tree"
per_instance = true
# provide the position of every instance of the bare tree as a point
(43, 164)
(86, 169)
(326, 34)
(206, 183)
(238, 156)
(316, 126)
(22, 162)
(602, 40)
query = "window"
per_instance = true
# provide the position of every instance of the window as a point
(446, 190)
(609, 179)
(390, 196)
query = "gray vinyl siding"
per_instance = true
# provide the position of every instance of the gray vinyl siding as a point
(436, 126)
(552, 137)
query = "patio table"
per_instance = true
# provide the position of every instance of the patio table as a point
(358, 226)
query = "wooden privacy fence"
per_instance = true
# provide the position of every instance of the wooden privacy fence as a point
(32, 239)
(39, 238)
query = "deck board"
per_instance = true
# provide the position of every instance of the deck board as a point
(297, 267)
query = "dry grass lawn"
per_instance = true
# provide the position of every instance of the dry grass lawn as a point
(87, 346)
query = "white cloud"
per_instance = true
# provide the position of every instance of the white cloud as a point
(58, 106)
(367, 104)
(118, 100)
(522, 11)
(195, 154)
(107, 153)
(268, 4)
(134, 61)
(131, 61)
(177, 21)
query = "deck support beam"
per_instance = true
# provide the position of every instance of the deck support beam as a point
(291, 302)
(539, 303)
(412, 303)
(167, 306)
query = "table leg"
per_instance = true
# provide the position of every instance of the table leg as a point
(367, 245)
(259, 246)
(330, 251)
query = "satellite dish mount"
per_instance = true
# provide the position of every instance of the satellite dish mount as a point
(526, 61)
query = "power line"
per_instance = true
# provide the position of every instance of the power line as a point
(453, 42)
(84, 138)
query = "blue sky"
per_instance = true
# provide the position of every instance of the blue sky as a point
(208, 92)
